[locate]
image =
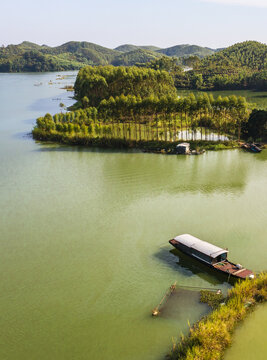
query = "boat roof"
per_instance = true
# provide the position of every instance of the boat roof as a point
(200, 245)
(184, 144)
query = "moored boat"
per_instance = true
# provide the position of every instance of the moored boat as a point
(211, 255)
(252, 147)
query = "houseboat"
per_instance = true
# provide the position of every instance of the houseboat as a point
(211, 255)
(183, 148)
(252, 147)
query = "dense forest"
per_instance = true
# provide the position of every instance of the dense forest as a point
(241, 66)
(256, 126)
(94, 84)
(28, 56)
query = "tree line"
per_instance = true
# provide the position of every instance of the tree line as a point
(165, 118)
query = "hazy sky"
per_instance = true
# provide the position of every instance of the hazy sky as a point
(212, 23)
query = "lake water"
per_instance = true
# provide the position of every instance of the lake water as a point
(84, 253)
(249, 341)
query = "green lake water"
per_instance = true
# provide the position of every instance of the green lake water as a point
(84, 253)
(249, 341)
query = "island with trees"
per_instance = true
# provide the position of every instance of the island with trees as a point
(137, 107)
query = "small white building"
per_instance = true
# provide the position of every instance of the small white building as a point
(183, 148)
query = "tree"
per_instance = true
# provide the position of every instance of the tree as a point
(256, 126)
(85, 102)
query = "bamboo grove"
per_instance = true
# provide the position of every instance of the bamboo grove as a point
(165, 118)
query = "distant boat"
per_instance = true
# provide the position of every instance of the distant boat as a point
(211, 255)
(38, 84)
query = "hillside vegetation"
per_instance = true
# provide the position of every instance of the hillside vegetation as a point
(187, 50)
(129, 47)
(28, 56)
(241, 66)
(72, 55)
(136, 56)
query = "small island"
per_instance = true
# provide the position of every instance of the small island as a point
(137, 107)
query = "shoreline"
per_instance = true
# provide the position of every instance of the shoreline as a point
(151, 146)
(212, 335)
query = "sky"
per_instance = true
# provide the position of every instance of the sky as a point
(110, 23)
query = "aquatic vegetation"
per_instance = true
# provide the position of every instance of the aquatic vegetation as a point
(208, 339)
(212, 298)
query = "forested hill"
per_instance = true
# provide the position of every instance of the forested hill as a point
(70, 56)
(250, 54)
(136, 56)
(28, 56)
(130, 47)
(187, 50)
(241, 66)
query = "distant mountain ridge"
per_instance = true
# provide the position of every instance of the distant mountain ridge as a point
(72, 55)
(130, 47)
(177, 50)
(28, 56)
(187, 50)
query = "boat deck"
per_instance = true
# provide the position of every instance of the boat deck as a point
(230, 268)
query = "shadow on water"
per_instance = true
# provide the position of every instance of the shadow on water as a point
(188, 267)
(52, 147)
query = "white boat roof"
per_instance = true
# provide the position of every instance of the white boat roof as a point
(184, 144)
(200, 245)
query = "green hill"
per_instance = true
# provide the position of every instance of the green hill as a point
(248, 54)
(133, 57)
(241, 66)
(71, 55)
(129, 47)
(187, 50)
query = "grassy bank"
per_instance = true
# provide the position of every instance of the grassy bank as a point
(209, 338)
(82, 139)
